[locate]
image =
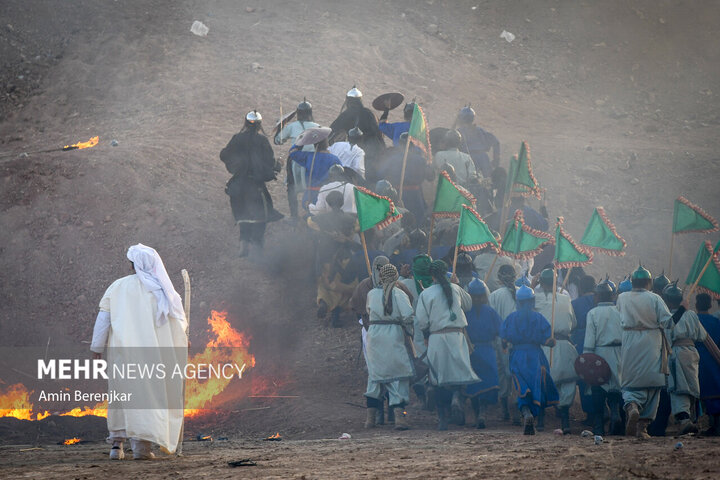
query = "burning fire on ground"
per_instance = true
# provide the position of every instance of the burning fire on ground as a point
(227, 345)
(80, 145)
(71, 441)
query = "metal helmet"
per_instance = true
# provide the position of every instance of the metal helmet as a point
(355, 134)
(477, 287)
(524, 293)
(610, 282)
(660, 283)
(604, 287)
(354, 93)
(452, 139)
(466, 115)
(253, 117)
(625, 285)
(383, 186)
(641, 273)
(304, 106)
(336, 172)
(672, 294)
(547, 275)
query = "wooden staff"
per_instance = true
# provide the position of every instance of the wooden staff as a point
(567, 276)
(702, 272)
(312, 166)
(432, 226)
(552, 316)
(455, 255)
(402, 172)
(186, 306)
(365, 251)
(672, 244)
(487, 275)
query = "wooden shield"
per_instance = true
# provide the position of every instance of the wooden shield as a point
(592, 369)
(388, 101)
(312, 136)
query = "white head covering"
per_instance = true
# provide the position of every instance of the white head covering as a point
(378, 262)
(151, 271)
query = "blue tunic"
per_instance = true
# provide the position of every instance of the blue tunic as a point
(394, 130)
(527, 330)
(709, 373)
(581, 306)
(483, 327)
(323, 162)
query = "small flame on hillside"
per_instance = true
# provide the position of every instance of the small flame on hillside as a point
(80, 145)
(71, 441)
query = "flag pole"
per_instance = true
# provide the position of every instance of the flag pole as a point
(402, 172)
(552, 319)
(365, 251)
(697, 280)
(455, 255)
(672, 244)
(567, 276)
(186, 307)
(487, 275)
(432, 227)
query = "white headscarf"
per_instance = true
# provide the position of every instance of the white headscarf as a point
(378, 262)
(151, 271)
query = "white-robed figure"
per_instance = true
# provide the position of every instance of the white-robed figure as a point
(603, 337)
(141, 321)
(439, 315)
(643, 358)
(389, 361)
(684, 361)
(562, 366)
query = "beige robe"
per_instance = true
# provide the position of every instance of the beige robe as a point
(134, 338)
(685, 360)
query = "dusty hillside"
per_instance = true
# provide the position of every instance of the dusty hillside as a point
(618, 100)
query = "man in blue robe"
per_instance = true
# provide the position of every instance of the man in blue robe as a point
(394, 130)
(317, 165)
(709, 373)
(483, 328)
(527, 330)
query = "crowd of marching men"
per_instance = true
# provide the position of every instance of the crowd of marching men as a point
(494, 330)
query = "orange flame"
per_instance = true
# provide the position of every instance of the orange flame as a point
(80, 145)
(71, 441)
(273, 437)
(228, 346)
(18, 398)
(99, 410)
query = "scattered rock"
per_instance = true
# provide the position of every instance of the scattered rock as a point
(88, 224)
(249, 9)
(634, 181)
(256, 66)
(114, 143)
(530, 78)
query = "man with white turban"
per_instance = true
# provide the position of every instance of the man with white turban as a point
(142, 322)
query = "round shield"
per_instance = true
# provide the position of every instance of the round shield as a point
(592, 369)
(312, 136)
(388, 101)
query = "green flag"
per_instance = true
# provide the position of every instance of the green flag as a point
(520, 176)
(521, 241)
(473, 232)
(450, 197)
(601, 235)
(688, 217)
(374, 210)
(418, 133)
(710, 281)
(569, 254)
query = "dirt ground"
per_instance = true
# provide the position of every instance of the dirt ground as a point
(618, 101)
